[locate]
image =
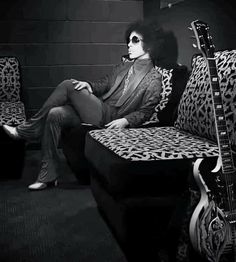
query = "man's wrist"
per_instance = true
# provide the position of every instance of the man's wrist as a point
(89, 87)
(126, 122)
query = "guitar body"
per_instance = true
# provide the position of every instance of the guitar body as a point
(212, 226)
(212, 233)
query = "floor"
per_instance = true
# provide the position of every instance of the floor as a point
(59, 225)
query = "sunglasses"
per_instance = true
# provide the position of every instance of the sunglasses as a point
(134, 40)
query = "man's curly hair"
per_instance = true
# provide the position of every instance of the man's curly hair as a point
(152, 34)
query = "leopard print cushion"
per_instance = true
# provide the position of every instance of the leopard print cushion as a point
(166, 82)
(9, 79)
(195, 111)
(12, 114)
(156, 143)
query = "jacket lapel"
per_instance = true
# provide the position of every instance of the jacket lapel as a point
(118, 80)
(133, 84)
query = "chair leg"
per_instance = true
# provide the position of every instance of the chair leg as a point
(12, 155)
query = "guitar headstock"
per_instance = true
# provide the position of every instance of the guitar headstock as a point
(203, 38)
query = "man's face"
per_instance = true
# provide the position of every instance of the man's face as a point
(135, 47)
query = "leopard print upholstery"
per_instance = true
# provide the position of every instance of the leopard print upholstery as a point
(12, 113)
(166, 82)
(9, 79)
(156, 143)
(195, 111)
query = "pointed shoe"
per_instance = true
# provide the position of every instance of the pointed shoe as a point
(11, 131)
(42, 185)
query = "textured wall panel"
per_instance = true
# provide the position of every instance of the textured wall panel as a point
(33, 10)
(52, 76)
(73, 54)
(104, 10)
(62, 32)
(23, 31)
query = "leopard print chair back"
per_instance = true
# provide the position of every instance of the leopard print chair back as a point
(195, 111)
(12, 110)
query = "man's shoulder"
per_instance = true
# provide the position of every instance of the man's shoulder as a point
(152, 79)
(154, 73)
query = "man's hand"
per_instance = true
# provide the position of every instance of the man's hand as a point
(118, 123)
(79, 85)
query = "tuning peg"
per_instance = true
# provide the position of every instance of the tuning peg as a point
(190, 28)
(194, 45)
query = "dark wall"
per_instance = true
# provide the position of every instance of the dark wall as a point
(62, 39)
(219, 15)
(151, 7)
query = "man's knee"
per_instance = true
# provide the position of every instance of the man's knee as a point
(71, 88)
(68, 83)
(56, 114)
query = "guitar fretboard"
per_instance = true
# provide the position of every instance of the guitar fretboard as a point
(220, 121)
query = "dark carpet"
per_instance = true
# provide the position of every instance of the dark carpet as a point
(59, 224)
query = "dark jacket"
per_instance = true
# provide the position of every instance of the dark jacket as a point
(140, 104)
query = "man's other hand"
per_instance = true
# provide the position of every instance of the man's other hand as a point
(79, 85)
(117, 123)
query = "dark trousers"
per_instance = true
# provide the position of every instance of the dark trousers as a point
(64, 108)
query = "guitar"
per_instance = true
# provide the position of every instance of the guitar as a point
(213, 223)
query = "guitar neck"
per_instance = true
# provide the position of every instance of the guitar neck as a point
(220, 120)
